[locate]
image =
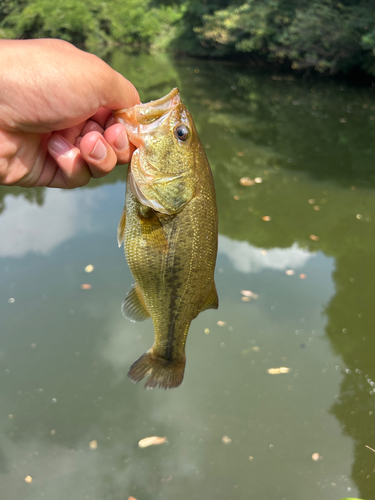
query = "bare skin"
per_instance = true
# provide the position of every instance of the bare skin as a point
(56, 125)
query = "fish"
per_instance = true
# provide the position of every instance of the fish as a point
(169, 227)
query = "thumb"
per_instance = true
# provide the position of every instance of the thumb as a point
(116, 92)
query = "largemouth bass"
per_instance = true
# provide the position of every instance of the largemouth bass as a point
(170, 231)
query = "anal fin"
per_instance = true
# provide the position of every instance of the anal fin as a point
(121, 228)
(212, 301)
(133, 307)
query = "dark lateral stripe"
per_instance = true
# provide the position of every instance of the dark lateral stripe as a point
(174, 283)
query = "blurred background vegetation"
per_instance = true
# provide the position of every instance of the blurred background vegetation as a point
(326, 36)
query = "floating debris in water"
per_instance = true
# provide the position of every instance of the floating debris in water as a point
(221, 323)
(369, 447)
(289, 272)
(226, 439)
(33, 346)
(249, 294)
(342, 120)
(258, 180)
(151, 441)
(251, 458)
(359, 216)
(86, 286)
(240, 153)
(11, 300)
(93, 445)
(89, 268)
(53, 432)
(246, 181)
(236, 197)
(313, 237)
(278, 371)
(206, 331)
(131, 498)
(10, 416)
(315, 457)
(28, 479)
(302, 276)
(266, 218)
(317, 208)
(311, 201)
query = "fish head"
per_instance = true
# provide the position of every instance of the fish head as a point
(164, 169)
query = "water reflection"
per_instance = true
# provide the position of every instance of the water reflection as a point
(59, 342)
(43, 227)
(249, 259)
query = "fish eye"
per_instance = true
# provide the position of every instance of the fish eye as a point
(181, 132)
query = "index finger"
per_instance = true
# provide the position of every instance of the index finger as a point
(101, 116)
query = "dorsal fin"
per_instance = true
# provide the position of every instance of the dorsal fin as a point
(212, 301)
(133, 307)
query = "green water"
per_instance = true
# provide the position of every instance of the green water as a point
(65, 352)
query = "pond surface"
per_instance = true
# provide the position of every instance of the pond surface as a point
(233, 429)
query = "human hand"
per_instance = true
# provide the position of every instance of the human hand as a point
(56, 124)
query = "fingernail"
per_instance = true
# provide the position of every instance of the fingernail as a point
(122, 141)
(99, 152)
(59, 145)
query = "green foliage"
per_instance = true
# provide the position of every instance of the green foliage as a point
(323, 34)
(320, 36)
(194, 13)
(247, 28)
(68, 20)
(94, 25)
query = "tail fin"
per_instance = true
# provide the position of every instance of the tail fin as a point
(162, 373)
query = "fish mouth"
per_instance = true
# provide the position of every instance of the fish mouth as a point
(143, 118)
(140, 121)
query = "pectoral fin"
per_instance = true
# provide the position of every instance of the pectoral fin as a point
(133, 307)
(152, 229)
(212, 301)
(121, 228)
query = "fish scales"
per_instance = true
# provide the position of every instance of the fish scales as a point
(171, 255)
